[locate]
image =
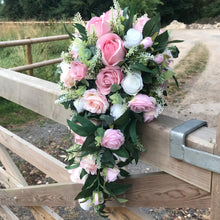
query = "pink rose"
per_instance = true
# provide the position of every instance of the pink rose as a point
(141, 103)
(147, 42)
(112, 48)
(112, 174)
(149, 116)
(78, 70)
(113, 139)
(75, 176)
(159, 59)
(95, 102)
(107, 77)
(88, 164)
(74, 54)
(99, 25)
(139, 24)
(79, 139)
(98, 198)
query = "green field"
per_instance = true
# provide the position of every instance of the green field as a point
(11, 113)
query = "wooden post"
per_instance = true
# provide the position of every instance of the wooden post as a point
(29, 56)
(215, 198)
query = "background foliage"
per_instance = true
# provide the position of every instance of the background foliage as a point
(183, 10)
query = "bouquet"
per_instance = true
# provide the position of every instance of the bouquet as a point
(113, 77)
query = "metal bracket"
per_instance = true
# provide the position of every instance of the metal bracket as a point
(180, 151)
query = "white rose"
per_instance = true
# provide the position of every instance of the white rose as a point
(85, 205)
(78, 103)
(132, 83)
(132, 38)
(119, 159)
(65, 67)
(117, 110)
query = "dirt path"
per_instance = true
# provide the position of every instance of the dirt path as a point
(203, 99)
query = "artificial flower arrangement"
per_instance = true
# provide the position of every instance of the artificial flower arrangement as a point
(114, 76)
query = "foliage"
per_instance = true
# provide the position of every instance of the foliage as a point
(142, 6)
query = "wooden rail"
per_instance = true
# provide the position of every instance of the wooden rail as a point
(183, 185)
(28, 42)
(36, 22)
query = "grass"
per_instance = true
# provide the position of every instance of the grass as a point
(187, 69)
(11, 113)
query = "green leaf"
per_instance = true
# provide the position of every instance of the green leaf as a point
(116, 98)
(124, 173)
(168, 74)
(72, 166)
(129, 22)
(151, 27)
(175, 41)
(175, 79)
(117, 188)
(122, 200)
(107, 156)
(174, 50)
(100, 132)
(67, 31)
(83, 173)
(140, 67)
(90, 181)
(108, 119)
(86, 193)
(133, 131)
(123, 119)
(115, 87)
(121, 152)
(147, 79)
(125, 12)
(85, 82)
(89, 145)
(82, 31)
(86, 123)
(162, 41)
(77, 129)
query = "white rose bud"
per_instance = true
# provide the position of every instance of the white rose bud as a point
(132, 38)
(78, 103)
(85, 205)
(132, 83)
(117, 110)
(65, 67)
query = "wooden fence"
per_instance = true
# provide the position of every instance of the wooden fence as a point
(179, 185)
(28, 42)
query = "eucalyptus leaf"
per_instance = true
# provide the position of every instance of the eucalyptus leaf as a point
(115, 87)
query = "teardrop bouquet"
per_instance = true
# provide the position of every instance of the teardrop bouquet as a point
(113, 76)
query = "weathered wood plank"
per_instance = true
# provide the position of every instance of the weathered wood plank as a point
(154, 190)
(215, 199)
(7, 214)
(43, 161)
(10, 166)
(155, 137)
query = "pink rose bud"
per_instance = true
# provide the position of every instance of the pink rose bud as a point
(149, 116)
(111, 174)
(112, 48)
(141, 103)
(95, 102)
(98, 198)
(65, 76)
(79, 139)
(107, 77)
(78, 70)
(99, 25)
(113, 139)
(147, 42)
(159, 59)
(75, 176)
(139, 25)
(88, 164)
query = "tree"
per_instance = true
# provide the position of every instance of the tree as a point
(12, 10)
(143, 6)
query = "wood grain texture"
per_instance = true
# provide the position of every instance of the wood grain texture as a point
(155, 138)
(7, 214)
(154, 190)
(58, 194)
(43, 161)
(215, 199)
(10, 166)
